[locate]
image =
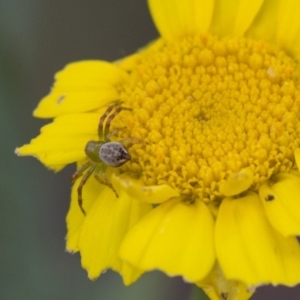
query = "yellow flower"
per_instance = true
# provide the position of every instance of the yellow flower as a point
(212, 193)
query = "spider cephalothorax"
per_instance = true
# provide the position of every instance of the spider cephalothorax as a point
(103, 153)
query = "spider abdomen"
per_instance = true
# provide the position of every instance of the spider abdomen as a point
(114, 154)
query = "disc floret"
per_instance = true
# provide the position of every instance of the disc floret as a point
(211, 107)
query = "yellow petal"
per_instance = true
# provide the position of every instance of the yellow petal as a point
(281, 201)
(138, 190)
(237, 183)
(265, 23)
(177, 18)
(102, 231)
(81, 87)
(217, 287)
(75, 217)
(176, 238)
(63, 141)
(288, 27)
(234, 16)
(249, 249)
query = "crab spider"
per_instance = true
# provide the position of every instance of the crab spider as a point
(103, 153)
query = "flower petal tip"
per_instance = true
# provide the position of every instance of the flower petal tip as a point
(91, 277)
(70, 251)
(36, 113)
(17, 152)
(23, 151)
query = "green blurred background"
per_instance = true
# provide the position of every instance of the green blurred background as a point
(38, 38)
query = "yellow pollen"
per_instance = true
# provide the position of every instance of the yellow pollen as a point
(208, 108)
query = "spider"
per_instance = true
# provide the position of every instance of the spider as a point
(103, 153)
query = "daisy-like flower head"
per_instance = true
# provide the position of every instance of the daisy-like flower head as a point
(212, 193)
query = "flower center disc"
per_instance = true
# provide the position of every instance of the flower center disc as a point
(209, 107)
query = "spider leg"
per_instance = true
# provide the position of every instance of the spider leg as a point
(115, 131)
(104, 180)
(79, 172)
(82, 183)
(103, 117)
(110, 118)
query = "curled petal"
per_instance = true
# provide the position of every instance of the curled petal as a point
(281, 201)
(249, 249)
(81, 87)
(175, 237)
(136, 189)
(237, 183)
